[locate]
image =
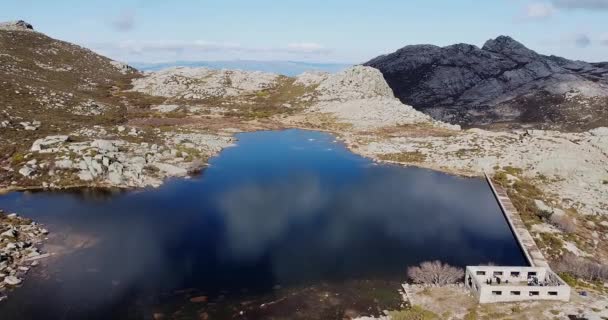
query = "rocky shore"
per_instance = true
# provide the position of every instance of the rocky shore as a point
(19, 249)
(118, 157)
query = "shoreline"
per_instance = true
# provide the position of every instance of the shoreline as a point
(340, 136)
(22, 240)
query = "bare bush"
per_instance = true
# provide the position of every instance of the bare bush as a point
(582, 268)
(435, 273)
(564, 223)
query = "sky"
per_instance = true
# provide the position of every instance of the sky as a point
(339, 31)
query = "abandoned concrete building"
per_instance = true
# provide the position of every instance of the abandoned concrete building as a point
(491, 284)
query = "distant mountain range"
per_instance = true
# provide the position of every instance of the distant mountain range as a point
(503, 82)
(287, 68)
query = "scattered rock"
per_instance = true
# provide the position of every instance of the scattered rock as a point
(12, 280)
(10, 233)
(64, 164)
(31, 126)
(19, 238)
(164, 108)
(122, 67)
(554, 212)
(26, 172)
(47, 144)
(105, 145)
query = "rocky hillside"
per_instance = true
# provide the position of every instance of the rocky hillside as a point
(47, 83)
(37, 71)
(359, 99)
(503, 82)
(200, 83)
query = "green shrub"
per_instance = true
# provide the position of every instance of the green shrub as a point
(411, 157)
(513, 171)
(17, 158)
(471, 315)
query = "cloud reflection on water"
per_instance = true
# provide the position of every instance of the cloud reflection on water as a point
(430, 214)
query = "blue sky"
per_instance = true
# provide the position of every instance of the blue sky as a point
(312, 30)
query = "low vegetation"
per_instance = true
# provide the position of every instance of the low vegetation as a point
(564, 222)
(435, 273)
(405, 157)
(582, 268)
(414, 313)
(522, 194)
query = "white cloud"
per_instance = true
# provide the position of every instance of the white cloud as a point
(604, 39)
(142, 47)
(164, 50)
(539, 10)
(582, 4)
(306, 47)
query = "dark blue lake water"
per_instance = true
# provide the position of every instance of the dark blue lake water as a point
(281, 210)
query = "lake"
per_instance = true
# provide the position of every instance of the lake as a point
(285, 225)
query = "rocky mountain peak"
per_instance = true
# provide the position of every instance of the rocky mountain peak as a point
(502, 82)
(502, 43)
(16, 25)
(509, 47)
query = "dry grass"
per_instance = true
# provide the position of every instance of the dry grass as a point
(282, 99)
(423, 130)
(414, 313)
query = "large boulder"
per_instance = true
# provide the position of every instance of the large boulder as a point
(171, 170)
(49, 143)
(358, 82)
(16, 25)
(12, 280)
